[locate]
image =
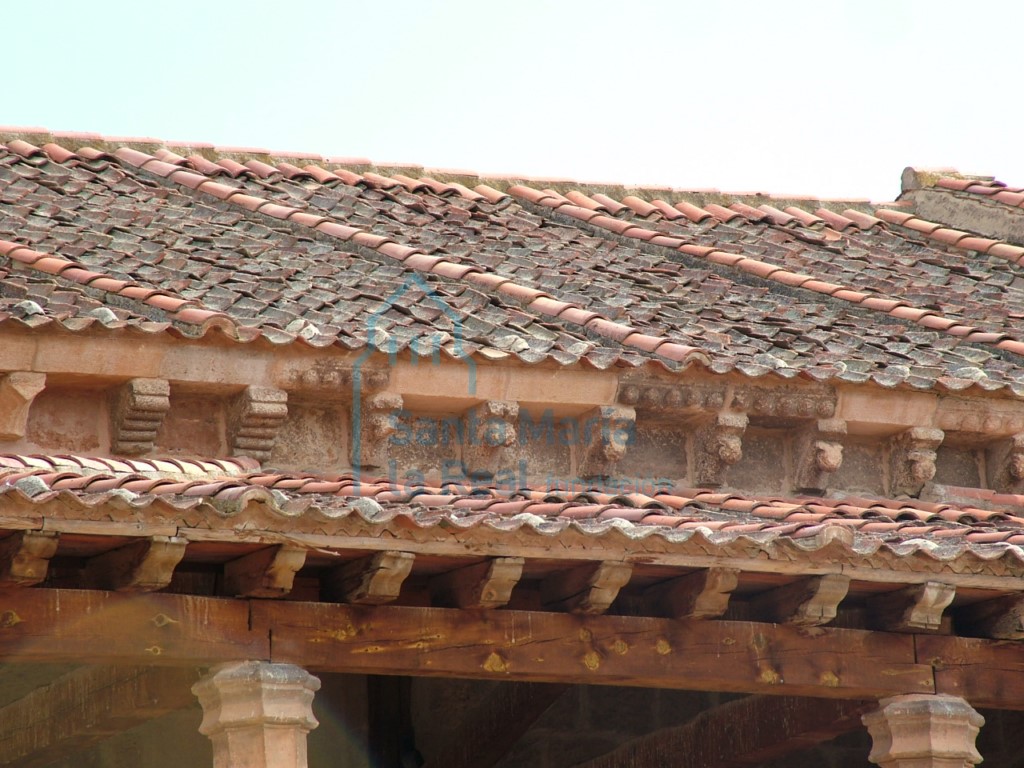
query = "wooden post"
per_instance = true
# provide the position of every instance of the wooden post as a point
(257, 714)
(924, 731)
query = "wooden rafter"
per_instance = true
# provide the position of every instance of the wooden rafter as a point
(807, 602)
(86, 706)
(703, 594)
(722, 737)
(483, 585)
(268, 572)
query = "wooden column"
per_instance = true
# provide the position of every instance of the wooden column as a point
(924, 731)
(257, 714)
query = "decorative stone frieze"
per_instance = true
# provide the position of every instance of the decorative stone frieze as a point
(777, 401)
(818, 453)
(17, 391)
(785, 402)
(604, 435)
(984, 416)
(257, 714)
(137, 413)
(912, 460)
(659, 396)
(1004, 461)
(256, 417)
(489, 435)
(374, 422)
(717, 446)
(328, 377)
(924, 731)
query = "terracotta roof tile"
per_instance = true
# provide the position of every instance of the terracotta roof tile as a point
(697, 288)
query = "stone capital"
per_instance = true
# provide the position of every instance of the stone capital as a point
(924, 731)
(257, 714)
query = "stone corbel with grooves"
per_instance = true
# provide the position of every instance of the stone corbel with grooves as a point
(912, 460)
(17, 391)
(1005, 463)
(717, 446)
(138, 412)
(604, 435)
(378, 421)
(818, 453)
(257, 416)
(489, 435)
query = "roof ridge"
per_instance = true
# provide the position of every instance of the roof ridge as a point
(413, 258)
(466, 178)
(897, 308)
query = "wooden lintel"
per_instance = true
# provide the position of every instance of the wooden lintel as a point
(988, 673)
(267, 572)
(66, 716)
(702, 594)
(916, 608)
(589, 589)
(1001, 619)
(482, 737)
(746, 731)
(142, 566)
(806, 602)
(94, 627)
(371, 580)
(535, 646)
(483, 585)
(25, 557)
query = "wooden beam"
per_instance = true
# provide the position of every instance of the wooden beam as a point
(806, 602)
(746, 731)
(492, 727)
(702, 594)
(601, 650)
(25, 557)
(94, 627)
(84, 707)
(588, 589)
(1001, 619)
(988, 673)
(145, 565)
(79, 626)
(371, 580)
(916, 608)
(484, 585)
(268, 572)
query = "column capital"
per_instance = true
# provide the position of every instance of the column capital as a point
(257, 714)
(924, 731)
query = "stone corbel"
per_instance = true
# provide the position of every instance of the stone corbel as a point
(717, 446)
(604, 435)
(257, 416)
(378, 421)
(912, 460)
(138, 412)
(1005, 463)
(17, 391)
(818, 453)
(488, 436)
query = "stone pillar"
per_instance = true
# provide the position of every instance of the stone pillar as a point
(924, 731)
(257, 714)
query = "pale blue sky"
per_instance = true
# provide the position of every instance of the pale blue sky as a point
(788, 97)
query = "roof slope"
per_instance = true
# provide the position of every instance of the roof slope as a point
(163, 241)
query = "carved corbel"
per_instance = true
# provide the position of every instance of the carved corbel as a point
(912, 460)
(377, 417)
(488, 434)
(138, 412)
(257, 415)
(604, 435)
(818, 453)
(717, 446)
(145, 565)
(1005, 463)
(17, 391)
